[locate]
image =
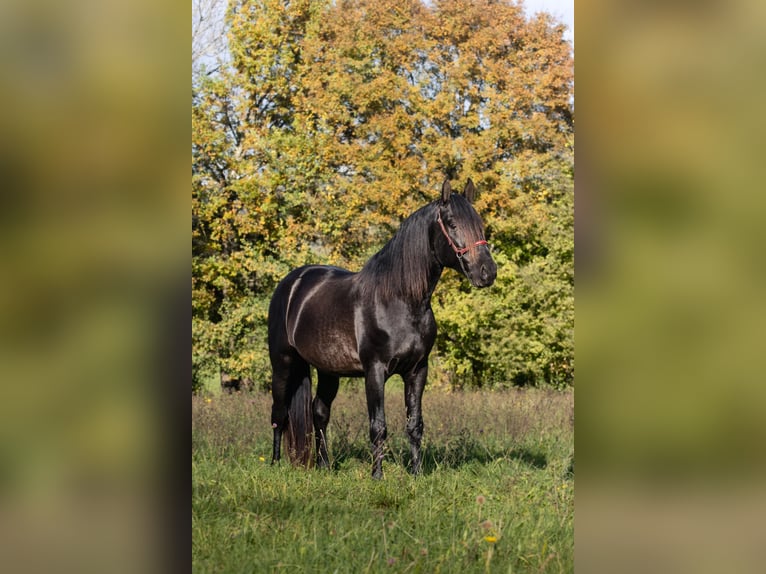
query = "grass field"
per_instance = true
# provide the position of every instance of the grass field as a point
(496, 493)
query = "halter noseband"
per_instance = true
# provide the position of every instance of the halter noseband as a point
(458, 251)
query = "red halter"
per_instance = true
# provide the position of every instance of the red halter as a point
(458, 251)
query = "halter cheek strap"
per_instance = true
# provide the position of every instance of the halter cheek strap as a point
(458, 251)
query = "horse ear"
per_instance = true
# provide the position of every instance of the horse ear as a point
(470, 191)
(446, 191)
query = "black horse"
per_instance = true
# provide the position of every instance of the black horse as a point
(374, 323)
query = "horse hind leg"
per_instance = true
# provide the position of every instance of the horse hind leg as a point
(327, 389)
(290, 411)
(283, 358)
(279, 390)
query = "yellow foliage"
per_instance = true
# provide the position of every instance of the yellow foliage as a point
(335, 120)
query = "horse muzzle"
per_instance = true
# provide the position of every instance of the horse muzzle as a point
(485, 275)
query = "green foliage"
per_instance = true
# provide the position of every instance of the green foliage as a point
(497, 493)
(335, 120)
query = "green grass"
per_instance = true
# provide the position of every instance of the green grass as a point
(496, 494)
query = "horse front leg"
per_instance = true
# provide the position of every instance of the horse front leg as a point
(414, 383)
(374, 384)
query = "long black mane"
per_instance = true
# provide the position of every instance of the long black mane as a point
(401, 267)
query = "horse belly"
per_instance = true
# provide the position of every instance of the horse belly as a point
(331, 351)
(329, 343)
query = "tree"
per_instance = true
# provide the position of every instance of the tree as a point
(335, 120)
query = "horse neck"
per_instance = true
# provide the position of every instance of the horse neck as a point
(435, 267)
(434, 275)
(406, 267)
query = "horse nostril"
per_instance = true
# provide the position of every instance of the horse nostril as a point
(484, 273)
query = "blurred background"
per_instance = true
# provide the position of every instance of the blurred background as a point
(670, 300)
(94, 293)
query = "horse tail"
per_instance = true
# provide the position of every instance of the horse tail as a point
(300, 424)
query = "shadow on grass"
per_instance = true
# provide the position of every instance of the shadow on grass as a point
(437, 458)
(461, 451)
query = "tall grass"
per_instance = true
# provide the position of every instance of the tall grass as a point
(496, 493)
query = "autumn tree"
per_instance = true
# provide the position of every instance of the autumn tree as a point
(335, 120)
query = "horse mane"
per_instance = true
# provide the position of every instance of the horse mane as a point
(401, 267)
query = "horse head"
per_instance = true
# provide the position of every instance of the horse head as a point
(463, 246)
